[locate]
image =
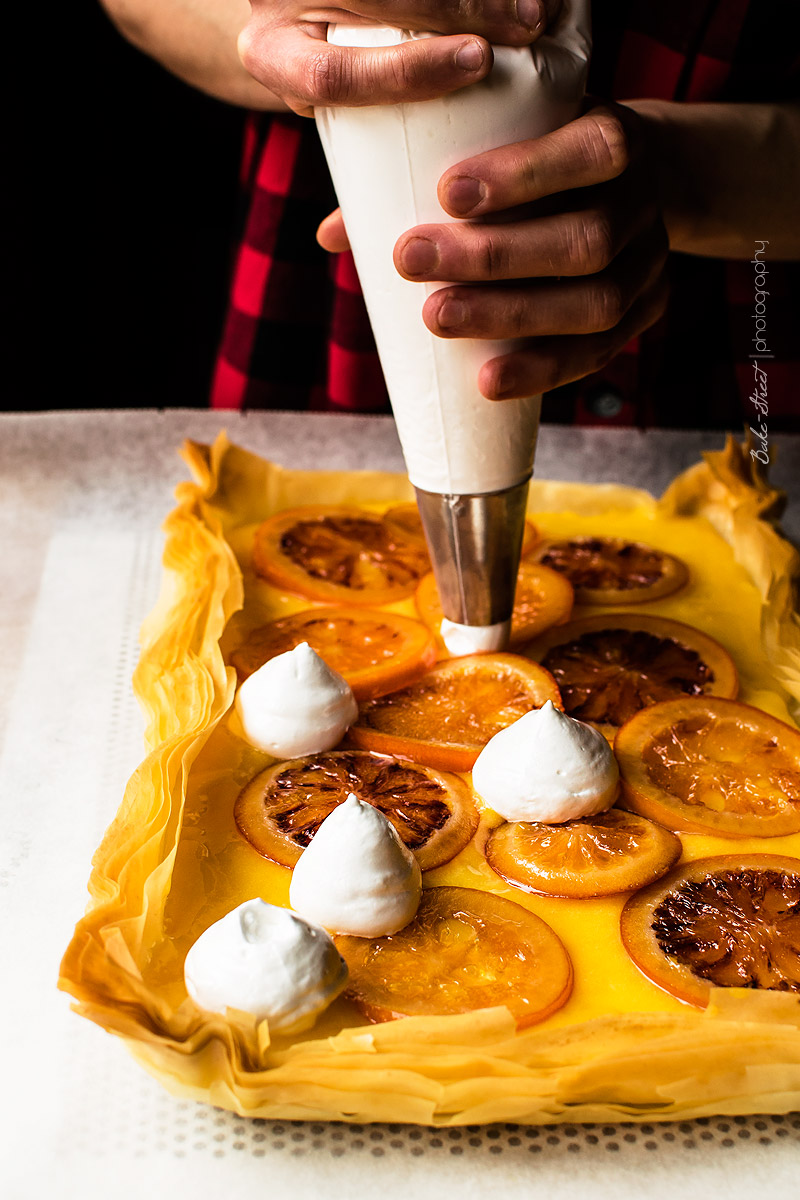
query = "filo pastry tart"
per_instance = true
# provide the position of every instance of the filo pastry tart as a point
(172, 862)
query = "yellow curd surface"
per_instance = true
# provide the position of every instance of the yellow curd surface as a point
(216, 869)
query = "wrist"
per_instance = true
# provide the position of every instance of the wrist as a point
(725, 175)
(681, 200)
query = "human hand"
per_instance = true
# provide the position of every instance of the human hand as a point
(576, 275)
(284, 47)
(564, 247)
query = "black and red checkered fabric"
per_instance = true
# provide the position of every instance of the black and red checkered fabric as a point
(297, 334)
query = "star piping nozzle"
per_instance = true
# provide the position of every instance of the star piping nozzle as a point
(475, 543)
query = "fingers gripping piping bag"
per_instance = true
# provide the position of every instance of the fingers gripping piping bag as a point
(469, 458)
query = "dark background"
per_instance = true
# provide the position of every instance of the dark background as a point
(123, 185)
(120, 252)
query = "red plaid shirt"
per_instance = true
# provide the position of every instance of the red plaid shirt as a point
(297, 335)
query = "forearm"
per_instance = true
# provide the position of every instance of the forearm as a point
(729, 174)
(195, 40)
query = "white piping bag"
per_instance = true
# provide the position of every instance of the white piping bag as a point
(469, 458)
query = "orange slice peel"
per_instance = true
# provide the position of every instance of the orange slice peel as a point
(726, 921)
(281, 809)
(465, 950)
(338, 554)
(374, 651)
(607, 570)
(608, 666)
(610, 852)
(710, 765)
(448, 715)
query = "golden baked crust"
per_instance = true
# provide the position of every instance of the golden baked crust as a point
(621, 1048)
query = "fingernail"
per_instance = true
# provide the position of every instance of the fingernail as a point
(506, 384)
(452, 314)
(464, 194)
(529, 14)
(419, 256)
(469, 56)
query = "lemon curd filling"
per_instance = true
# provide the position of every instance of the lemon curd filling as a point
(159, 884)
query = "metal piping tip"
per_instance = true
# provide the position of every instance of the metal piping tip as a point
(475, 543)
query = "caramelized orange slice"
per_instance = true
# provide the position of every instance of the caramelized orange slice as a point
(338, 555)
(709, 765)
(718, 922)
(282, 808)
(464, 950)
(450, 713)
(608, 667)
(374, 651)
(611, 852)
(405, 520)
(542, 598)
(606, 570)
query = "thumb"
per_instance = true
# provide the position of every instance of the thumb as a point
(332, 235)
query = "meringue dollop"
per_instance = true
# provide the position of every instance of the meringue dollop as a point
(266, 961)
(295, 704)
(547, 767)
(474, 639)
(356, 876)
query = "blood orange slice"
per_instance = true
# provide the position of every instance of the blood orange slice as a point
(282, 808)
(611, 852)
(404, 519)
(450, 713)
(718, 922)
(609, 666)
(338, 555)
(374, 651)
(708, 765)
(542, 598)
(465, 950)
(606, 570)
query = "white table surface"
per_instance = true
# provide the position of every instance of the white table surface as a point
(82, 497)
